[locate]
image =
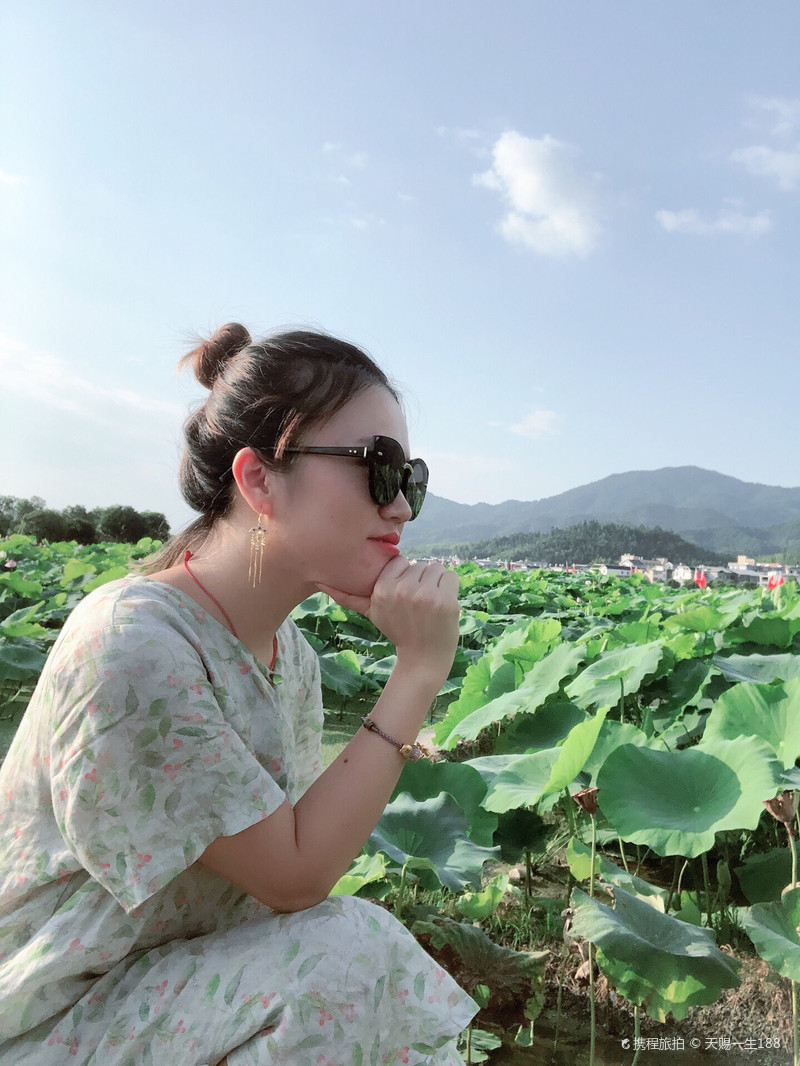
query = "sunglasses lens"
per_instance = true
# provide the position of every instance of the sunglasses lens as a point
(388, 475)
(385, 470)
(416, 487)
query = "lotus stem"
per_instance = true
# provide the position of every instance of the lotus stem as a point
(469, 1043)
(707, 885)
(621, 700)
(558, 1000)
(622, 854)
(401, 893)
(795, 1017)
(637, 1031)
(673, 886)
(591, 953)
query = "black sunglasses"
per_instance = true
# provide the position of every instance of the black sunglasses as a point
(389, 472)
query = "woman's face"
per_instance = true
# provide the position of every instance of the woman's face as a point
(329, 527)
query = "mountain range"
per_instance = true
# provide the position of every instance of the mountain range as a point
(710, 509)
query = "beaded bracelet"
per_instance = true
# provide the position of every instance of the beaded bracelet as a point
(412, 752)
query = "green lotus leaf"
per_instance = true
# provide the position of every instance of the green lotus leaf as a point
(19, 660)
(542, 680)
(675, 802)
(546, 728)
(774, 632)
(574, 752)
(425, 780)
(521, 830)
(763, 877)
(477, 906)
(758, 668)
(771, 712)
(615, 673)
(491, 766)
(612, 735)
(340, 672)
(363, 871)
(431, 836)
(482, 962)
(773, 929)
(523, 782)
(653, 959)
(579, 860)
(703, 619)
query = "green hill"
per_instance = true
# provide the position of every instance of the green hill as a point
(584, 542)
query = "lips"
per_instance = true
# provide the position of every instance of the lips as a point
(389, 542)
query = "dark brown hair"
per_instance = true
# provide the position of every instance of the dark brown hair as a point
(264, 393)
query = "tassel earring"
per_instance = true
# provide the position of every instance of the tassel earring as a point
(258, 536)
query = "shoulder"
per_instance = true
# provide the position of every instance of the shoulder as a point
(294, 649)
(131, 610)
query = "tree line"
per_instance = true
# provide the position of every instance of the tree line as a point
(585, 542)
(119, 523)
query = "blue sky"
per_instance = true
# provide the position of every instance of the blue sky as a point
(569, 231)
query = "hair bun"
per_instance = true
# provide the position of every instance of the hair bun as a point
(208, 359)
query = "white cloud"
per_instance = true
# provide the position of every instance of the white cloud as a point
(730, 219)
(780, 159)
(455, 475)
(48, 380)
(536, 424)
(357, 160)
(781, 164)
(786, 113)
(10, 179)
(552, 206)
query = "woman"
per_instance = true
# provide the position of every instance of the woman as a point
(167, 840)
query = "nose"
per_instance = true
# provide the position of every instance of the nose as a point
(398, 510)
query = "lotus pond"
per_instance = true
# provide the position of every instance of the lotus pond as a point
(606, 836)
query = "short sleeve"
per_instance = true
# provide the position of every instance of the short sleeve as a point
(146, 768)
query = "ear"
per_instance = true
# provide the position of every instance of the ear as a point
(254, 480)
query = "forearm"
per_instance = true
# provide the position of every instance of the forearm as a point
(335, 817)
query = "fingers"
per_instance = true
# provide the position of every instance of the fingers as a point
(346, 599)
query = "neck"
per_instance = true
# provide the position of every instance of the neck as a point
(253, 614)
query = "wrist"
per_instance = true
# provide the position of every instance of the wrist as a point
(419, 674)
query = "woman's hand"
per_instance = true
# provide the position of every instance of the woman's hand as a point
(415, 605)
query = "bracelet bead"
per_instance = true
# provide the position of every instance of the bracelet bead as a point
(411, 752)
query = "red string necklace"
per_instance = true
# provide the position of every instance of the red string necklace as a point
(187, 556)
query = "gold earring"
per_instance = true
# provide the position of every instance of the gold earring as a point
(258, 535)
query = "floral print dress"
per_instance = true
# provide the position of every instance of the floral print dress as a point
(153, 731)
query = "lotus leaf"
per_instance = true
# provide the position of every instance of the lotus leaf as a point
(773, 929)
(545, 728)
(763, 877)
(612, 735)
(771, 712)
(579, 860)
(425, 780)
(775, 632)
(653, 959)
(675, 802)
(477, 906)
(482, 962)
(758, 668)
(702, 619)
(542, 680)
(574, 752)
(615, 673)
(363, 871)
(20, 661)
(431, 837)
(523, 782)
